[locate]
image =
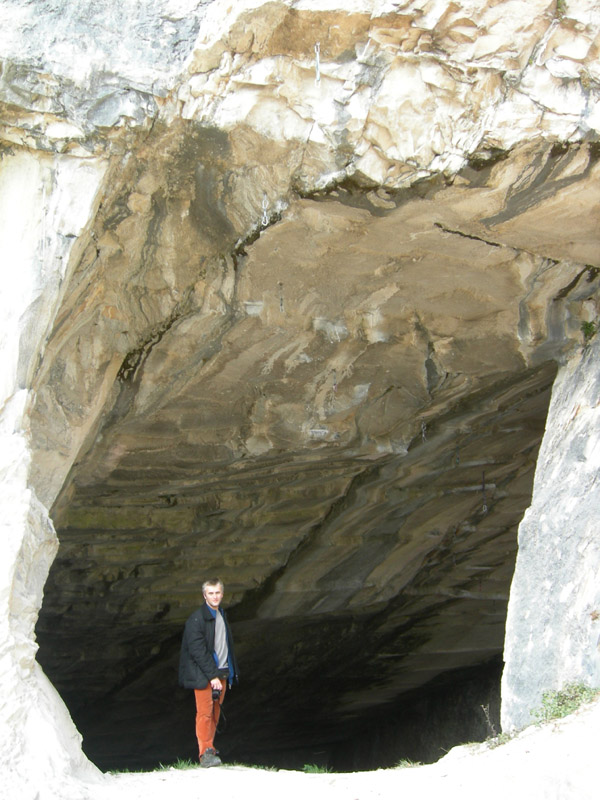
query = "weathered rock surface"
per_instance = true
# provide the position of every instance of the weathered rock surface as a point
(554, 618)
(40, 746)
(298, 279)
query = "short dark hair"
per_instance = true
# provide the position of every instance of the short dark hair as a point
(213, 582)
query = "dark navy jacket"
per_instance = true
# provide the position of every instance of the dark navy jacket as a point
(197, 665)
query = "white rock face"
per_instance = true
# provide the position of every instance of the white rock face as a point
(402, 91)
(555, 761)
(44, 203)
(553, 624)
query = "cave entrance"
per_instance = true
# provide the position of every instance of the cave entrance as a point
(334, 403)
(367, 596)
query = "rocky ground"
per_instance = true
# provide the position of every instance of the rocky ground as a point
(292, 288)
(555, 760)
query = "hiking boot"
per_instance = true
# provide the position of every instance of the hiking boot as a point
(209, 758)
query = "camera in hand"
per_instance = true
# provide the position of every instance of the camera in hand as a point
(216, 693)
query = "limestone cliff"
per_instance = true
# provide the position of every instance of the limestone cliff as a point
(289, 283)
(553, 625)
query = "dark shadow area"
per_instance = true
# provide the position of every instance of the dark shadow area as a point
(354, 669)
(266, 724)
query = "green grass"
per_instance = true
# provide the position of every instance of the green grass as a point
(181, 763)
(186, 763)
(557, 703)
(499, 739)
(315, 768)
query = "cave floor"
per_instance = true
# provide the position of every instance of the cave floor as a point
(554, 760)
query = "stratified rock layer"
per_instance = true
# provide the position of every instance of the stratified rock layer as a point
(300, 277)
(340, 417)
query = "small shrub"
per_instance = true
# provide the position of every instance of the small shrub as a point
(557, 703)
(406, 763)
(589, 330)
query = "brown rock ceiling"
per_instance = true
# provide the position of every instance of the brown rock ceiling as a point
(339, 415)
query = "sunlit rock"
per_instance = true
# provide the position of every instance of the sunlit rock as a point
(289, 285)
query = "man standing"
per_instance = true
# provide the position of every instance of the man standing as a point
(206, 665)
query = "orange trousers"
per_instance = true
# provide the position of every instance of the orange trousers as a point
(207, 716)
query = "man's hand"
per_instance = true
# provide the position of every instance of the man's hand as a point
(216, 684)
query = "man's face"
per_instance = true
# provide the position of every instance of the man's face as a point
(213, 595)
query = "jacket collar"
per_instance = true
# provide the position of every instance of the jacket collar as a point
(207, 613)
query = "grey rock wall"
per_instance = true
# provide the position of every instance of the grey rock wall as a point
(227, 270)
(553, 624)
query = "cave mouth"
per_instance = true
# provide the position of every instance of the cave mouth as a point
(335, 406)
(295, 349)
(376, 631)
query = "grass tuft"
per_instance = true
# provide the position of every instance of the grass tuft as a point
(406, 763)
(499, 739)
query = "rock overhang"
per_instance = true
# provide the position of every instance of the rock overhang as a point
(285, 235)
(341, 419)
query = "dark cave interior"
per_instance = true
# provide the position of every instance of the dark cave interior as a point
(350, 686)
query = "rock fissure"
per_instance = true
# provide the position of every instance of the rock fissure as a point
(134, 360)
(294, 316)
(466, 235)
